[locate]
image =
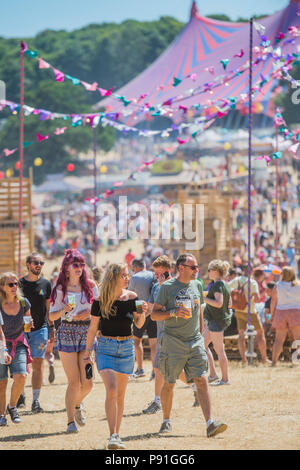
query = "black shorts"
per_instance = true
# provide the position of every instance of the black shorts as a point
(149, 326)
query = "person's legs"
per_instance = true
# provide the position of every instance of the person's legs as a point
(110, 382)
(203, 396)
(139, 352)
(159, 382)
(86, 385)
(262, 345)
(122, 381)
(3, 387)
(72, 371)
(167, 399)
(207, 340)
(278, 344)
(37, 376)
(16, 389)
(218, 343)
(152, 344)
(242, 346)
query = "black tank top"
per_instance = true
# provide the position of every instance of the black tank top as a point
(118, 324)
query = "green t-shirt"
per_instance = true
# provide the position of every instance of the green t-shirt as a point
(220, 315)
(170, 295)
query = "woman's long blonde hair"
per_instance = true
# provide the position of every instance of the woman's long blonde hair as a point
(108, 288)
(288, 275)
(3, 279)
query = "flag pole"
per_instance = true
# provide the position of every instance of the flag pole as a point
(250, 328)
(95, 195)
(21, 153)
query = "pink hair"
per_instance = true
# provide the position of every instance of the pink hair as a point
(72, 256)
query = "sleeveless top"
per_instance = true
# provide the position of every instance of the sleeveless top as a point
(288, 296)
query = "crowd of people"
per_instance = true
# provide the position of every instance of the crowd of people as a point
(98, 318)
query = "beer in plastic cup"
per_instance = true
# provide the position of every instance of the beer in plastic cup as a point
(188, 305)
(205, 292)
(72, 300)
(27, 324)
(139, 305)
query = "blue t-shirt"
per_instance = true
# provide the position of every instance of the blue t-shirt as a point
(141, 283)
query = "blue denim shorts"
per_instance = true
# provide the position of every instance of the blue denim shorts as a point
(116, 355)
(18, 364)
(37, 341)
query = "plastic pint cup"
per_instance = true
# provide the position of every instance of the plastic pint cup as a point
(205, 292)
(188, 305)
(72, 299)
(27, 324)
(139, 306)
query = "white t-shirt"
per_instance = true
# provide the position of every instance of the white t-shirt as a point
(288, 296)
(81, 302)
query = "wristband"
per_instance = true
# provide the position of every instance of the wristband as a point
(172, 313)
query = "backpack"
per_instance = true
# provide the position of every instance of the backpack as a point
(238, 298)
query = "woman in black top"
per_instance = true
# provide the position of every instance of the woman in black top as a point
(113, 314)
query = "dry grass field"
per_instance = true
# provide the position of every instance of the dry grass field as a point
(261, 407)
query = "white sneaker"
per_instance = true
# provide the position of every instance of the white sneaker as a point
(220, 382)
(79, 416)
(212, 379)
(121, 443)
(113, 442)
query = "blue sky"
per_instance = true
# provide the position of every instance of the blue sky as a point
(25, 18)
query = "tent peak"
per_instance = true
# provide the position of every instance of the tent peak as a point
(194, 10)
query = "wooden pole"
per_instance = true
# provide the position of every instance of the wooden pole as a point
(95, 195)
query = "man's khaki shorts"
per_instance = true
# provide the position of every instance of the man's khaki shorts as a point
(242, 320)
(176, 355)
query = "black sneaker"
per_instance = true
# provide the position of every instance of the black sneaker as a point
(152, 408)
(165, 427)
(216, 428)
(36, 407)
(13, 412)
(22, 401)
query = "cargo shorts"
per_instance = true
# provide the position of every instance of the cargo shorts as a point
(177, 355)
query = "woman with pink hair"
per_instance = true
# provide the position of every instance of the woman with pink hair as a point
(71, 301)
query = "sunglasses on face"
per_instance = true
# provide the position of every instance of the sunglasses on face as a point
(125, 276)
(78, 265)
(12, 284)
(194, 268)
(36, 263)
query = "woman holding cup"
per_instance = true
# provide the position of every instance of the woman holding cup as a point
(113, 314)
(13, 310)
(71, 300)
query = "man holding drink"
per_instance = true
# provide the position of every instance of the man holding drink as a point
(37, 290)
(178, 303)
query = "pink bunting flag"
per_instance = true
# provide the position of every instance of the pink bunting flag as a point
(40, 137)
(105, 92)
(43, 64)
(264, 157)
(89, 87)
(118, 183)
(183, 108)
(8, 152)
(240, 54)
(60, 131)
(181, 141)
(59, 76)
(210, 70)
(192, 76)
(295, 150)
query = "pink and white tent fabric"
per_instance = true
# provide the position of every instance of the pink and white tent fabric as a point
(201, 52)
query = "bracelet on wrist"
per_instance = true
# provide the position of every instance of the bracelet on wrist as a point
(172, 313)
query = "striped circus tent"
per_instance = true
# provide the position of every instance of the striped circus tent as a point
(206, 49)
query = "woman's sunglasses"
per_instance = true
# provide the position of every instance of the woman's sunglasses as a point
(78, 265)
(12, 284)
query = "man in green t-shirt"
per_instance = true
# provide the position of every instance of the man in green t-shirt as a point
(178, 302)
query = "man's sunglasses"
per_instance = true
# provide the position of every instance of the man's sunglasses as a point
(194, 268)
(78, 265)
(12, 284)
(36, 263)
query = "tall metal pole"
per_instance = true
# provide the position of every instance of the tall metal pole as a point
(21, 152)
(95, 195)
(250, 329)
(277, 201)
